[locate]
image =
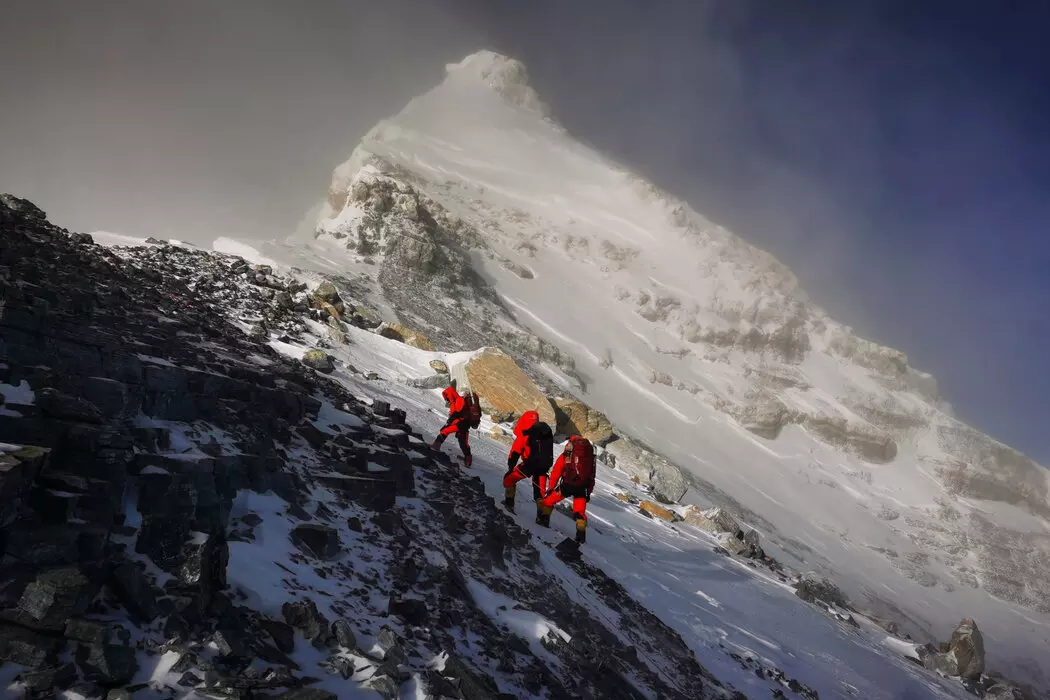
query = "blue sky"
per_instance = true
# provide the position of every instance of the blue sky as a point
(894, 154)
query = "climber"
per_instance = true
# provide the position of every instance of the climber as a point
(572, 476)
(534, 447)
(458, 422)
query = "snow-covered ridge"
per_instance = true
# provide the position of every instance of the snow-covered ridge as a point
(480, 218)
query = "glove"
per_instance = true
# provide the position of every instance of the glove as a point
(512, 460)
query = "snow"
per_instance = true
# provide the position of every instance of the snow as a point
(718, 604)
(529, 625)
(479, 146)
(21, 394)
(108, 239)
(231, 246)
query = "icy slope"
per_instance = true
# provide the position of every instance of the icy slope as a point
(473, 215)
(736, 619)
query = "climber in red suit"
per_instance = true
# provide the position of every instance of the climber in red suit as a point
(571, 477)
(532, 464)
(457, 424)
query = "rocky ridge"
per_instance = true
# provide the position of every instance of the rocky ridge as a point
(164, 439)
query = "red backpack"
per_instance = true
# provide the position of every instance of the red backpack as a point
(579, 466)
(473, 410)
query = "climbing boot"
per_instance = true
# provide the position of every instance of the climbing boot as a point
(438, 441)
(543, 515)
(508, 498)
(467, 461)
(581, 530)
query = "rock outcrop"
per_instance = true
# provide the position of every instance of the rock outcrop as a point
(667, 481)
(505, 390)
(406, 335)
(577, 418)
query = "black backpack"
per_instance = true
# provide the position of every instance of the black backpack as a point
(541, 449)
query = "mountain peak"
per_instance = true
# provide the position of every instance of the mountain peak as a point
(504, 75)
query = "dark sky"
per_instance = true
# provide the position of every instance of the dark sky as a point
(894, 154)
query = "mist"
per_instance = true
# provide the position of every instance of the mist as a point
(893, 156)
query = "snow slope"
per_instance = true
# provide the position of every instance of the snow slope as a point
(699, 345)
(719, 605)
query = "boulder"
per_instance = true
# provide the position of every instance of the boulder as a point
(1003, 691)
(764, 415)
(731, 543)
(306, 694)
(667, 481)
(577, 418)
(327, 293)
(56, 404)
(304, 616)
(53, 596)
(344, 634)
(502, 385)
(317, 540)
(439, 366)
(108, 664)
(657, 511)
(812, 588)
(967, 646)
(319, 360)
(406, 335)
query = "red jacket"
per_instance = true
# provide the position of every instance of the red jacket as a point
(456, 403)
(520, 448)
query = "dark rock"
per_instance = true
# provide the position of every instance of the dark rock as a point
(1003, 691)
(473, 685)
(344, 634)
(355, 524)
(50, 677)
(204, 560)
(319, 360)
(305, 617)
(65, 407)
(89, 631)
(55, 595)
(118, 694)
(53, 507)
(232, 644)
(190, 680)
(162, 538)
(251, 519)
(306, 694)
(18, 469)
(107, 663)
(283, 635)
(967, 646)
(135, 591)
(108, 395)
(86, 690)
(25, 647)
(312, 435)
(385, 686)
(319, 540)
(370, 492)
(413, 611)
(812, 588)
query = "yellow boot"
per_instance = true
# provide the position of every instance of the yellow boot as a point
(581, 530)
(508, 498)
(543, 514)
